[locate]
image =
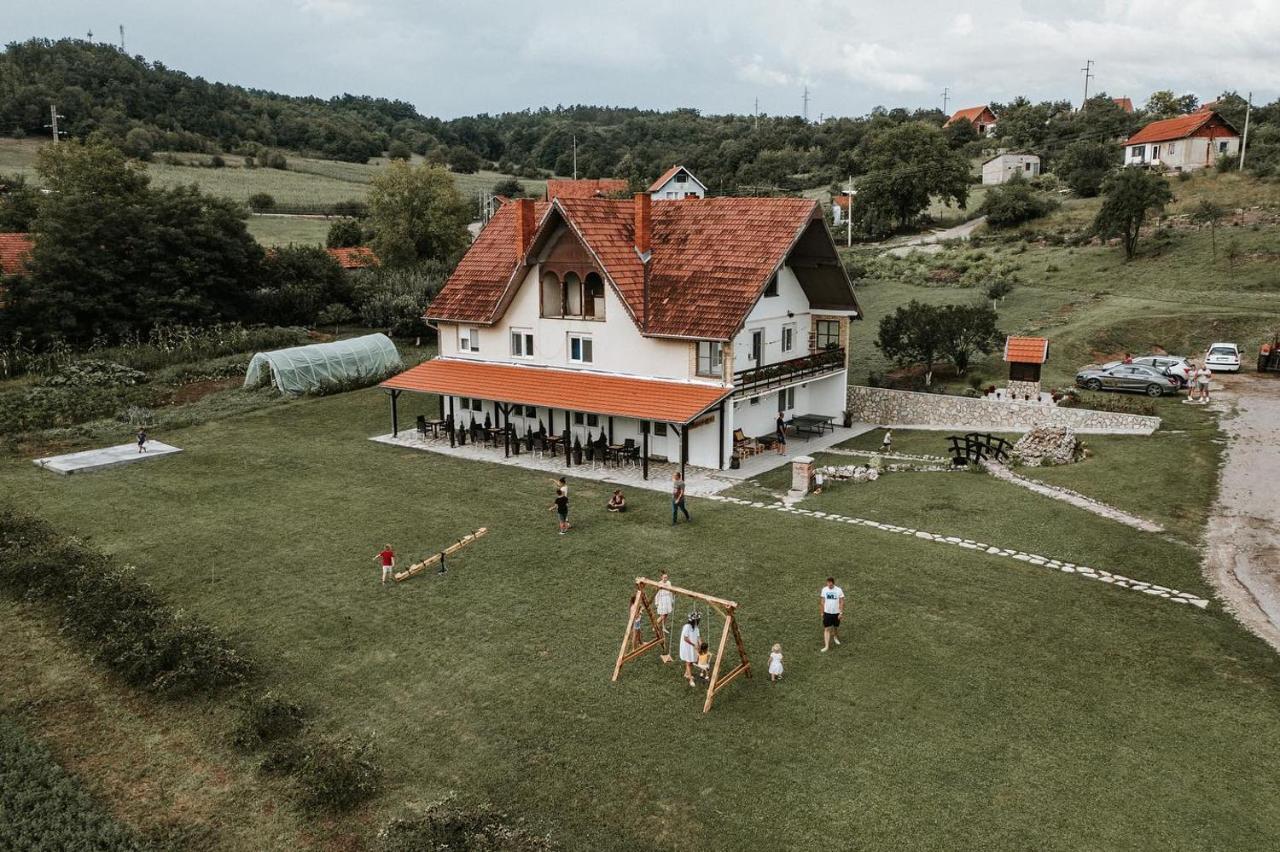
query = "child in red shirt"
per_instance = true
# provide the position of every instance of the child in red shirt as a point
(388, 559)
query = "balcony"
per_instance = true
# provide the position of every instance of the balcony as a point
(789, 372)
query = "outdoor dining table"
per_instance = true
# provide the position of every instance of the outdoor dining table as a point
(435, 426)
(552, 443)
(812, 424)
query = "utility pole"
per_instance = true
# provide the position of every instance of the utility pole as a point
(1244, 142)
(122, 38)
(575, 156)
(1088, 75)
(805, 98)
(946, 97)
(757, 114)
(53, 122)
(848, 215)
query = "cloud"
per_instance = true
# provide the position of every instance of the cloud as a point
(962, 24)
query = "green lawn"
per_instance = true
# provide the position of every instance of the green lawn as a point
(975, 703)
(283, 230)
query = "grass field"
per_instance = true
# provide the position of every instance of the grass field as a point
(283, 230)
(974, 704)
(307, 181)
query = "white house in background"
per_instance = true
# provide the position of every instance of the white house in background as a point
(671, 325)
(676, 182)
(1183, 144)
(1003, 167)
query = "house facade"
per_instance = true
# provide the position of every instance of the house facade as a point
(1185, 143)
(666, 325)
(981, 117)
(1003, 167)
(676, 183)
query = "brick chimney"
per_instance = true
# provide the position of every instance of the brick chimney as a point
(643, 222)
(524, 226)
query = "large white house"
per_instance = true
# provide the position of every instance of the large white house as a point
(676, 182)
(1185, 143)
(671, 325)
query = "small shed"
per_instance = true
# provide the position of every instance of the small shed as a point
(306, 369)
(1002, 167)
(1025, 356)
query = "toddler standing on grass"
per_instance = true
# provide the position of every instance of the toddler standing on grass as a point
(775, 663)
(704, 662)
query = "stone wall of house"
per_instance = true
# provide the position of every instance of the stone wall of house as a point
(962, 413)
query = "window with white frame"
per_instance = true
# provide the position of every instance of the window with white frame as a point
(468, 339)
(580, 349)
(710, 358)
(786, 400)
(521, 343)
(788, 337)
(757, 345)
(1173, 148)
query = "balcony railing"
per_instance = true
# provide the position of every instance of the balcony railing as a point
(790, 371)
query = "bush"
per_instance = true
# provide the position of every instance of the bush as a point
(95, 373)
(267, 718)
(399, 150)
(337, 773)
(45, 808)
(119, 618)
(216, 162)
(273, 160)
(1015, 202)
(345, 233)
(354, 209)
(261, 201)
(510, 187)
(448, 827)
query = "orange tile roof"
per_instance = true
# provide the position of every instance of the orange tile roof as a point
(568, 390)
(970, 114)
(1125, 104)
(1026, 350)
(668, 175)
(14, 251)
(1179, 128)
(711, 259)
(356, 257)
(585, 188)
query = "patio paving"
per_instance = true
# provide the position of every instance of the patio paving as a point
(88, 460)
(699, 481)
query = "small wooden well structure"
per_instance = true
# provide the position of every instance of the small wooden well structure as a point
(1025, 356)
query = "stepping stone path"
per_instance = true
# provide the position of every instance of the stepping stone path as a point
(1061, 566)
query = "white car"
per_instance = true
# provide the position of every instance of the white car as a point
(1170, 365)
(1223, 358)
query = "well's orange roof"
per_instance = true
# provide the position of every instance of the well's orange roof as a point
(567, 390)
(711, 259)
(1026, 350)
(585, 188)
(970, 114)
(1179, 128)
(356, 257)
(14, 251)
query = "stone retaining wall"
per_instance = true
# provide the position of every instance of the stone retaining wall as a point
(909, 409)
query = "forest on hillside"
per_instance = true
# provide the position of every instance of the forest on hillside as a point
(146, 106)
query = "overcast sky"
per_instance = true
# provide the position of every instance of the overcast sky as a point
(453, 58)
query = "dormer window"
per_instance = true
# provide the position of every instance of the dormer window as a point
(682, 177)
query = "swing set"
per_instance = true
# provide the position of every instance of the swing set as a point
(634, 647)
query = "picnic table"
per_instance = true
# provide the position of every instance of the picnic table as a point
(622, 451)
(552, 443)
(433, 425)
(813, 424)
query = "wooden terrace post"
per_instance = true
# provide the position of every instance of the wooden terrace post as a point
(506, 429)
(610, 428)
(453, 439)
(395, 415)
(442, 406)
(684, 448)
(644, 449)
(720, 428)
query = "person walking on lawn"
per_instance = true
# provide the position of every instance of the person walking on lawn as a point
(832, 597)
(677, 498)
(388, 560)
(561, 505)
(142, 440)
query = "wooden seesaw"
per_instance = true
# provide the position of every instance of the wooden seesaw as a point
(439, 558)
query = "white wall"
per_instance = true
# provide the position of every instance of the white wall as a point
(770, 314)
(1005, 166)
(1186, 154)
(690, 186)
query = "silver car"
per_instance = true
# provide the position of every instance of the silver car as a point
(1127, 377)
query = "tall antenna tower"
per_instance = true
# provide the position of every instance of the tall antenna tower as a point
(122, 50)
(1088, 75)
(805, 98)
(946, 97)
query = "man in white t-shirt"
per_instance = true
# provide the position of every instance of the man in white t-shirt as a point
(832, 597)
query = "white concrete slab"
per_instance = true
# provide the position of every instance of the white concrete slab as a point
(88, 460)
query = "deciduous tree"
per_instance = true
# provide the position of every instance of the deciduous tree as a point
(913, 334)
(1085, 164)
(907, 166)
(417, 213)
(1129, 196)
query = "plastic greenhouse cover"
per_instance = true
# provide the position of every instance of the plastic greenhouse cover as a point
(302, 369)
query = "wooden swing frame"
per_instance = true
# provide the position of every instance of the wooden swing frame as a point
(728, 609)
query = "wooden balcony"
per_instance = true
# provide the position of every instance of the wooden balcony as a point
(790, 371)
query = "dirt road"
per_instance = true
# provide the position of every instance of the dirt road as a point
(1242, 559)
(932, 241)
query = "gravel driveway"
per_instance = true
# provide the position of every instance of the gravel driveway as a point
(1242, 559)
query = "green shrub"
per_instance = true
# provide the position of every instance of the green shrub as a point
(1014, 203)
(95, 373)
(448, 827)
(261, 201)
(266, 718)
(337, 773)
(42, 807)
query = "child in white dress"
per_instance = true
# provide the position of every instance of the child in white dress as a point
(775, 663)
(664, 603)
(690, 639)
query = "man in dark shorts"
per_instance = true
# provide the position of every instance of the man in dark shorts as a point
(832, 597)
(780, 435)
(561, 505)
(677, 498)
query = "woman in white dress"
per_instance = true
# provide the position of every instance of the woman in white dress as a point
(665, 603)
(690, 639)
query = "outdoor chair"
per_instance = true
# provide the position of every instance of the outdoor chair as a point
(745, 446)
(422, 425)
(629, 451)
(537, 446)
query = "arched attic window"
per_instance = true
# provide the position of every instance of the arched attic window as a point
(552, 295)
(593, 301)
(572, 294)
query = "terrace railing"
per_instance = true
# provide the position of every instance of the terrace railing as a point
(790, 371)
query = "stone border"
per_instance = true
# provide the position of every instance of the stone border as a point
(1073, 498)
(1117, 580)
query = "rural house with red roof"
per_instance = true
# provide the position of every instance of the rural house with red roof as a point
(676, 183)
(585, 188)
(15, 249)
(981, 117)
(354, 257)
(663, 327)
(1184, 143)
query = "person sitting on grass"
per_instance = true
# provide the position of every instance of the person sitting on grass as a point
(617, 503)
(704, 661)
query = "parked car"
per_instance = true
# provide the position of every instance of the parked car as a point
(1170, 365)
(1223, 358)
(1128, 377)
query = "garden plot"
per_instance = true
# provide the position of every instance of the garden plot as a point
(90, 460)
